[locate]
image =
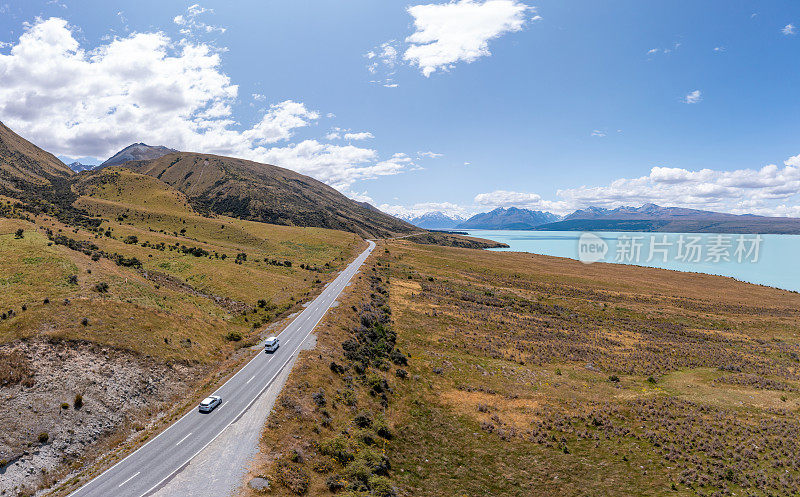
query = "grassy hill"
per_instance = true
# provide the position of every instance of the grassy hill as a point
(261, 192)
(23, 163)
(134, 308)
(535, 375)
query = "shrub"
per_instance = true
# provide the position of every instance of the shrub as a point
(319, 398)
(339, 448)
(20, 233)
(65, 405)
(78, 402)
(233, 336)
(335, 483)
(131, 240)
(381, 487)
(382, 429)
(401, 373)
(43, 437)
(613, 378)
(85, 322)
(73, 279)
(101, 287)
(294, 477)
(363, 419)
(398, 358)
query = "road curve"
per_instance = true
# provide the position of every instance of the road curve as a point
(148, 468)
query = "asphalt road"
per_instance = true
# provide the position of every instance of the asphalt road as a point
(152, 465)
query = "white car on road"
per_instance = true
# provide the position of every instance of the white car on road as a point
(271, 345)
(209, 403)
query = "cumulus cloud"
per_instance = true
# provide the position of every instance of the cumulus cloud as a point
(693, 97)
(505, 198)
(789, 30)
(147, 87)
(362, 135)
(460, 31)
(770, 190)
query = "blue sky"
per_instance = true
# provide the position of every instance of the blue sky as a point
(567, 104)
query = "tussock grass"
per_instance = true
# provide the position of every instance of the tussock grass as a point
(534, 375)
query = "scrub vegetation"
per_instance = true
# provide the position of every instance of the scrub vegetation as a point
(534, 375)
(129, 270)
(539, 375)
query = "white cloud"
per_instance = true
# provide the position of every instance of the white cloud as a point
(190, 24)
(665, 51)
(360, 196)
(598, 133)
(693, 97)
(447, 208)
(382, 63)
(771, 190)
(505, 198)
(363, 135)
(146, 87)
(277, 123)
(719, 49)
(789, 29)
(459, 31)
(429, 155)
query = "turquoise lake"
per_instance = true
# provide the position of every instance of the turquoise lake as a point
(769, 260)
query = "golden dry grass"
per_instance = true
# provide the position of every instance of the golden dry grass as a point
(512, 355)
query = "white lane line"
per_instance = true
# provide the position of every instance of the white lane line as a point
(355, 264)
(251, 379)
(182, 439)
(129, 479)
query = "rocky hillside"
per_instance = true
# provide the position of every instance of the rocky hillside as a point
(137, 151)
(24, 165)
(266, 193)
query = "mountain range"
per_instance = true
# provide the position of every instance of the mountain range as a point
(512, 218)
(652, 217)
(436, 221)
(267, 193)
(79, 167)
(213, 184)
